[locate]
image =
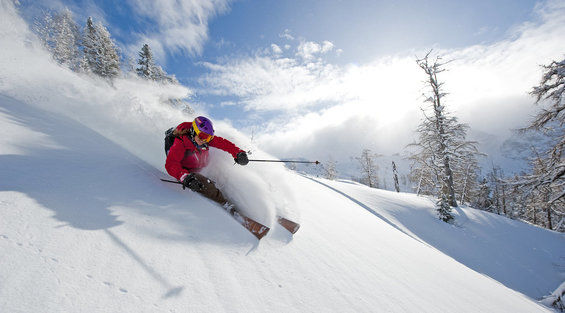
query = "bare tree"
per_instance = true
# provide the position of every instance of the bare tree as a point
(330, 169)
(437, 124)
(395, 177)
(444, 158)
(369, 168)
(544, 186)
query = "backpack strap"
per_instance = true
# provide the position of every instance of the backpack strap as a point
(169, 139)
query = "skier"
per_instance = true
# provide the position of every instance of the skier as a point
(188, 154)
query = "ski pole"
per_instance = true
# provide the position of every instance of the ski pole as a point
(171, 181)
(286, 161)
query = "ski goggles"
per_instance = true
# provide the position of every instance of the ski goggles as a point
(202, 135)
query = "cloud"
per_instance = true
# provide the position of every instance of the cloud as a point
(324, 108)
(179, 25)
(308, 50)
(276, 49)
(267, 83)
(286, 35)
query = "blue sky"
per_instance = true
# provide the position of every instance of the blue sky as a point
(361, 30)
(280, 69)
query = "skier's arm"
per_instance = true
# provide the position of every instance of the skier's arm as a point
(174, 158)
(226, 145)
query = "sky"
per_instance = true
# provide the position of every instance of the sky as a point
(327, 79)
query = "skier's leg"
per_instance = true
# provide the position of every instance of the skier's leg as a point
(209, 189)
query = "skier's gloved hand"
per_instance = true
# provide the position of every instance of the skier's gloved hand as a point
(191, 182)
(241, 158)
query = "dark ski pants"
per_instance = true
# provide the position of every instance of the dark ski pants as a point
(209, 189)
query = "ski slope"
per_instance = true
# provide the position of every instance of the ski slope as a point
(87, 226)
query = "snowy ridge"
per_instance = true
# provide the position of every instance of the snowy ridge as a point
(87, 226)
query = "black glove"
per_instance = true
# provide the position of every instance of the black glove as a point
(241, 158)
(192, 183)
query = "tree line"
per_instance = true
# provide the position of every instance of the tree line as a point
(92, 49)
(444, 163)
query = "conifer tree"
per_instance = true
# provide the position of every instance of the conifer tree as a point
(110, 59)
(91, 46)
(483, 200)
(61, 36)
(146, 63)
(149, 70)
(100, 52)
(67, 40)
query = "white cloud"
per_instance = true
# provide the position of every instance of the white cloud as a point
(327, 46)
(179, 25)
(308, 50)
(375, 105)
(276, 49)
(265, 83)
(286, 35)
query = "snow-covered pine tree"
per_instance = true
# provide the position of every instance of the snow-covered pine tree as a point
(149, 70)
(101, 55)
(160, 75)
(483, 199)
(61, 36)
(67, 40)
(444, 209)
(91, 46)
(110, 59)
(44, 31)
(145, 62)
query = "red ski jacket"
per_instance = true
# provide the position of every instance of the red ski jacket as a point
(185, 157)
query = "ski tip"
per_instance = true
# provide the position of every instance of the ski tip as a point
(289, 225)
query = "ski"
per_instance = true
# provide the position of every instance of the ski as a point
(289, 225)
(257, 229)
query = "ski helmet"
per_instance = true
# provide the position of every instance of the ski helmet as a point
(203, 128)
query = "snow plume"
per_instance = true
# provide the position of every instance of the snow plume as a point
(131, 112)
(261, 190)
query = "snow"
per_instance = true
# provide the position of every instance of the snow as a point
(87, 226)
